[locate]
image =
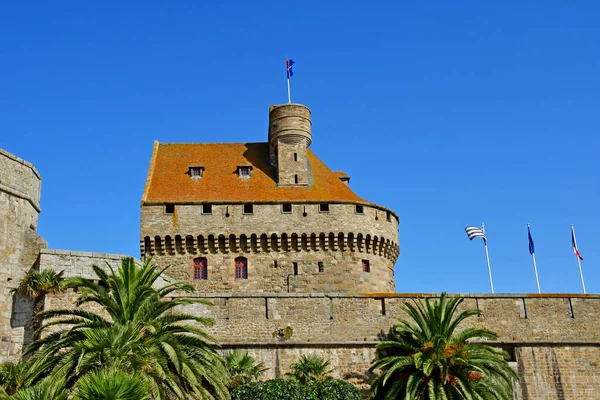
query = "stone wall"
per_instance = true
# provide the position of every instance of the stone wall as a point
(19, 247)
(272, 241)
(554, 339)
(79, 263)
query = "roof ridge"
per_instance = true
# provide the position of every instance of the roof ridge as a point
(208, 143)
(150, 170)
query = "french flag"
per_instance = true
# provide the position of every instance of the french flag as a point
(574, 244)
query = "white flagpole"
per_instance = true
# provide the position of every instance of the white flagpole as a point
(487, 257)
(289, 96)
(578, 260)
(537, 280)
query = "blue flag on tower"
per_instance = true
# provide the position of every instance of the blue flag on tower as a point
(288, 67)
(531, 248)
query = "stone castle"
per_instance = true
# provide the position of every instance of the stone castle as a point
(264, 217)
(280, 244)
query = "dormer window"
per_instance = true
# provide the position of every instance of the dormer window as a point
(244, 171)
(343, 177)
(196, 171)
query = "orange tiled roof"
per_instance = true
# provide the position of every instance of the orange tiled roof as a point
(168, 179)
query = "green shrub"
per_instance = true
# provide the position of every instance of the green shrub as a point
(335, 389)
(283, 389)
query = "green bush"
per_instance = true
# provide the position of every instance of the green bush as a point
(284, 389)
(335, 389)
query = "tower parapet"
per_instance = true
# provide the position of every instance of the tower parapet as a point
(289, 138)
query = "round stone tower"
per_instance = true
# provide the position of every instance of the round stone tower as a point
(20, 245)
(289, 138)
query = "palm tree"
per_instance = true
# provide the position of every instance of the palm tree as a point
(20, 375)
(112, 385)
(242, 368)
(310, 369)
(428, 359)
(37, 284)
(44, 390)
(137, 331)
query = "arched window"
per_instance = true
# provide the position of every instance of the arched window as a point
(241, 268)
(200, 268)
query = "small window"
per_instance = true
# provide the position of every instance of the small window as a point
(241, 268)
(366, 266)
(389, 216)
(169, 208)
(244, 172)
(286, 208)
(360, 209)
(321, 267)
(295, 156)
(206, 208)
(200, 268)
(295, 178)
(248, 208)
(345, 179)
(324, 207)
(295, 264)
(196, 172)
(275, 264)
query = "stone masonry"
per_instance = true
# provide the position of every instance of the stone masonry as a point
(20, 185)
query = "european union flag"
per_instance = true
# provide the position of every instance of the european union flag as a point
(531, 248)
(288, 67)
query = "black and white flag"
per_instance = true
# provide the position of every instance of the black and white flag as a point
(475, 232)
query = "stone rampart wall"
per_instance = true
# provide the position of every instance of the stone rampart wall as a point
(19, 246)
(79, 263)
(554, 340)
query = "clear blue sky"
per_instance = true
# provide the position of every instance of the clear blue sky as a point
(450, 113)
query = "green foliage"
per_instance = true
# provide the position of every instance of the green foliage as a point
(310, 369)
(39, 283)
(428, 359)
(242, 368)
(137, 331)
(285, 333)
(284, 389)
(334, 389)
(112, 385)
(16, 376)
(43, 390)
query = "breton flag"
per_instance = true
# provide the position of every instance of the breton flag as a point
(574, 244)
(475, 232)
(288, 68)
(531, 248)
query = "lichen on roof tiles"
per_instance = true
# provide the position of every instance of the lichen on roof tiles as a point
(170, 180)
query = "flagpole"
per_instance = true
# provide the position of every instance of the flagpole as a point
(487, 257)
(537, 280)
(578, 260)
